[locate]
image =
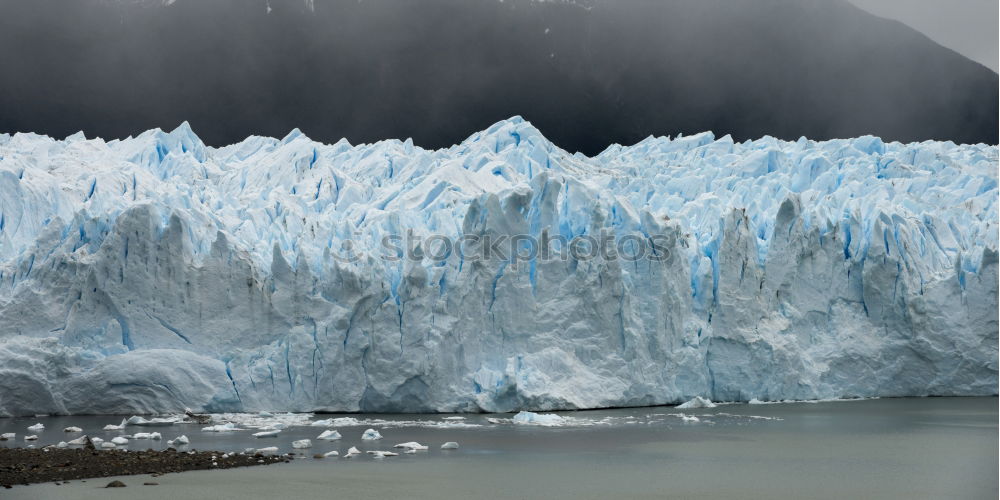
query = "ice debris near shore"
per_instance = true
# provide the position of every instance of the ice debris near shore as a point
(163, 273)
(179, 441)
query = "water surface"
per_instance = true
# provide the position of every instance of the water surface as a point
(888, 448)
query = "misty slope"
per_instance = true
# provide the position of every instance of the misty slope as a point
(155, 273)
(614, 72)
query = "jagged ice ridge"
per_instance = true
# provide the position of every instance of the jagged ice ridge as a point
(155, 273)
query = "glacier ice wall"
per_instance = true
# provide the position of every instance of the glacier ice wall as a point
(153, 273)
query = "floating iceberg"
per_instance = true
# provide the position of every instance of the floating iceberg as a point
(228, 427)
(333, 453)
(329, 435)
(302, 444)
(268, 451)
(411, 445)
(179, 441)
(450, 445)
(153, 422)
(119, 440)
(112, 427)
(142, 270)
(371, 435)
(266, 434)
(39, 427)
(531, 418)
(72, 429)
(352, 451)
(696, 402)
(80, 441)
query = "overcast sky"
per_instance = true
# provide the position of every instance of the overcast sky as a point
(968, 27)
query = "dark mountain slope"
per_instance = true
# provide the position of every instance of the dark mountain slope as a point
(437, 70)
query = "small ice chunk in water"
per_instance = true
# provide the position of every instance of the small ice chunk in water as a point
(179, 440)
(383, 454)
(755, 401)
(450, 445)
(411, 445)
(690, 418)
(267, 451)
(72, 429)
(113, 427)
(30, 438)
(135, 420)
(62, 444)
(301, 444)
(265, 414)
(8, 435)
(329, 435)
(119, 440)
(108, 445)
(96, 441)
(82, 440)
(221, 428)
(371, 435)
(454, 418)
(351, 452)
(39, 427)
(333, 453)
(264, 434)
(527, 417)
(697, 402)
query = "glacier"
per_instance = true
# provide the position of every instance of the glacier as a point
(155, 273)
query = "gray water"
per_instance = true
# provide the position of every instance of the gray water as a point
(888, 448)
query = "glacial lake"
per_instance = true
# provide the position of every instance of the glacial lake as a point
(882, 448)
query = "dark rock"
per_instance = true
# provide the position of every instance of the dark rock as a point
(115, 484)
(150, 483)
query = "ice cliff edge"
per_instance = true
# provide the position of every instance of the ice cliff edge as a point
(156, 273)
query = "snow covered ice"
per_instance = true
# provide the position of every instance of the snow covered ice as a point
(159, 273)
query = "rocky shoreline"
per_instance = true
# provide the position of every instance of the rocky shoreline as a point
(22, 466)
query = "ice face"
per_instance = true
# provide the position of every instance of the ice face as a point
(156, 273)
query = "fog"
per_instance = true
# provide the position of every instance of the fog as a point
(588, 74)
